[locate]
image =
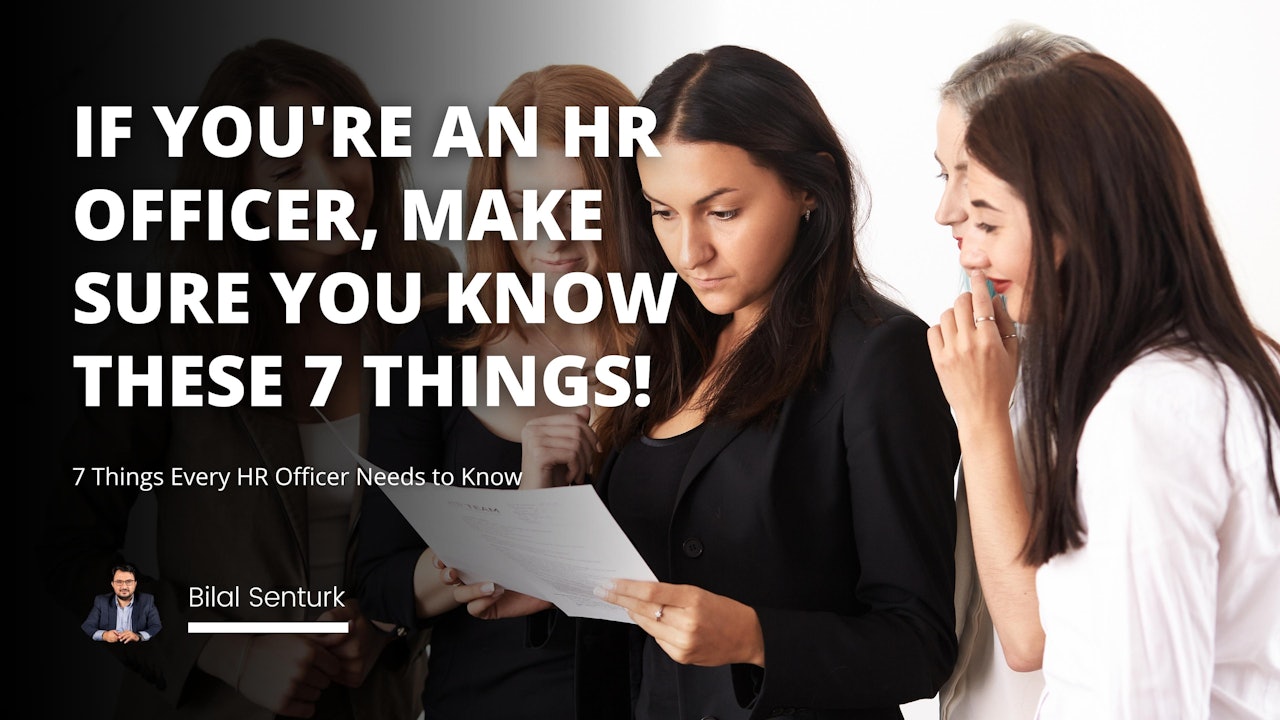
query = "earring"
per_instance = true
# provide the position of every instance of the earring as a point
(806, 215)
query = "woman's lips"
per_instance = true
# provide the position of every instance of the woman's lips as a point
(561, 263)
(706, 283)
(1001, 286)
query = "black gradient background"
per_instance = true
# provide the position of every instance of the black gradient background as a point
(154, 53)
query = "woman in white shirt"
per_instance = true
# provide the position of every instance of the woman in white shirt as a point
(1153, 404)
(997, 617)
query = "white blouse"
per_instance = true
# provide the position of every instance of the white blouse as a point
(983, 686)
(1171, 609)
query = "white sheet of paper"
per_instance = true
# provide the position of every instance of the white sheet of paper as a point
(557, 544)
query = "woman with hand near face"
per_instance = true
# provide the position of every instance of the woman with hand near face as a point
(503, 666)
(790, 481)
(268, 536)
(997, 616)
(1153, 404)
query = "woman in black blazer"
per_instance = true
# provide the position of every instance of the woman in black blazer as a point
(790, 481)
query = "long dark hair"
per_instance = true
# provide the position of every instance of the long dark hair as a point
(1111, 190)
(248, 78)
(551, 90)
(747, 99)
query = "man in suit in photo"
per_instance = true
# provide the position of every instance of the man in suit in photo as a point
(123, 615)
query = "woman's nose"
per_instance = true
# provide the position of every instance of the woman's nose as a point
(323, 174)
(564, 219)
(972, 255)
(694, 248)
(951, 207)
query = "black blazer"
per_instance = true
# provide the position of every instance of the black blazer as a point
(837, 525)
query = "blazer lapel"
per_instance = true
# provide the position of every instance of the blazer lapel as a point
(367, 379)
(718, 435)
(712, 442)
(276, 438)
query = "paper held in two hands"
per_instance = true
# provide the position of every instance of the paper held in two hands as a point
(556, 544)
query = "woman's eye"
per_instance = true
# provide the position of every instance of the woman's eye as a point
(286, 173)
(984, 227)
(943, 176)
(724, 214)
(661, 213)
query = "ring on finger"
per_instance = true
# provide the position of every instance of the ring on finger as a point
(1009, 336)
(657, 614)
(988, 318)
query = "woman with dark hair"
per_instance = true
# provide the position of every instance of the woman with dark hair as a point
(264, 535)
(479, 668)
(790, 480)
(1153, 403)
(997, 616)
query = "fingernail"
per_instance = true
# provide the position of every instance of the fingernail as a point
(601, 592)
(487, 588)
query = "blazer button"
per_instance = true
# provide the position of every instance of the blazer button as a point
(692, 547)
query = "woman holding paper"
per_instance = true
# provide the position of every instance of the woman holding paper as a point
(256, 535)
(1153, 403)
(790, 482)
(513, 668)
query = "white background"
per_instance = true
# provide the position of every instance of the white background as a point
(876, 68)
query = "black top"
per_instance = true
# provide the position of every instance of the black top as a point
(835, 523)
(478, 669)
(642, 493)
(485, 668)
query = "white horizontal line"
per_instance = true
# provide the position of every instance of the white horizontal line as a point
(265, 628)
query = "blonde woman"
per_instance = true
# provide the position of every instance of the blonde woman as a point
(997, 615)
